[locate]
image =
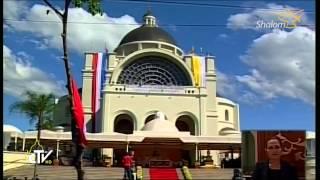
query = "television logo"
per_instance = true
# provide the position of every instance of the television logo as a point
(40, 155)
(285, 19)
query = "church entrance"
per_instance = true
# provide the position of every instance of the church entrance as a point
(123, 124)
(158, 156)
(154, 156)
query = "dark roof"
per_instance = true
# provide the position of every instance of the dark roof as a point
(145, 33)
(64, 97)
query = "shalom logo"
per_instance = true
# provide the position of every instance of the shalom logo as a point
(285, 19)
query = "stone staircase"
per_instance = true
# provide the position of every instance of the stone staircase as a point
(100, 173)
(219, 174)
(180, 174)
(146, 173)
(64, 172)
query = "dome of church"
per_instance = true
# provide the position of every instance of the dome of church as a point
(159, 124)
(149, 31)
(145, 33)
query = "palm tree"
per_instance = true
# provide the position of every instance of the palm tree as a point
(48, 124)
(38, 108)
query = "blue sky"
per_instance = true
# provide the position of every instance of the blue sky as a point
(269, 73)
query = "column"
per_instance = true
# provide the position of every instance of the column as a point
(15, 142)
(57, 153)
(23, 143)
(127, 148)
(197, 158)
(232, 153)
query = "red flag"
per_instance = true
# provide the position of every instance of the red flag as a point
(78, 115)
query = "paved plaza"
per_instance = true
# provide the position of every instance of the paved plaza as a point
(96, 173)
(64, 172)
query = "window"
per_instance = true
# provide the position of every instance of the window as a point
(226, 115)
(153, 70)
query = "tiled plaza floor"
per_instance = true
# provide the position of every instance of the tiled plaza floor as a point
(64, 172)
(99, 173)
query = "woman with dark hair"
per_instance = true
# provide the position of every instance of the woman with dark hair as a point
(274, 168)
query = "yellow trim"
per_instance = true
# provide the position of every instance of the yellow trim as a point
(196, 70)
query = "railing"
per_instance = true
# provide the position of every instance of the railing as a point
(190, 90)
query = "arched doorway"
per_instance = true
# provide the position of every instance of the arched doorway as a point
(123, 123)
(149, 118)
(186, 123)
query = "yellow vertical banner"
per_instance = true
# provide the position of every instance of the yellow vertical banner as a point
(196, 70)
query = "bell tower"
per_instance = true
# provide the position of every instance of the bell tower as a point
(149, 19)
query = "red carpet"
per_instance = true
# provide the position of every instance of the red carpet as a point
(163, 173)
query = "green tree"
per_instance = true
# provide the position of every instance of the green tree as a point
(38, 108)
(48, 124)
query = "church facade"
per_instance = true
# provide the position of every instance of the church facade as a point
(148, 73)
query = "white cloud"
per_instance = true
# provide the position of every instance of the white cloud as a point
(6, 27)
(229, 87)
(225, 85)
(38, 44)
(14, 9)
(24, 55)
(283, 64)
(223, 36)
(248, 20)
(88, 36)
(19, 76)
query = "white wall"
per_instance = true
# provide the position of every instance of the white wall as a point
(232, 108)
(141, 106)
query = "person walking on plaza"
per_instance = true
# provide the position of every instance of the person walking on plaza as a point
(127, 162)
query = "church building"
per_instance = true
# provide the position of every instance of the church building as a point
(149, 88)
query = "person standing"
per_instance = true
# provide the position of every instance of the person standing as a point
(223, 162)
(127, 162)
